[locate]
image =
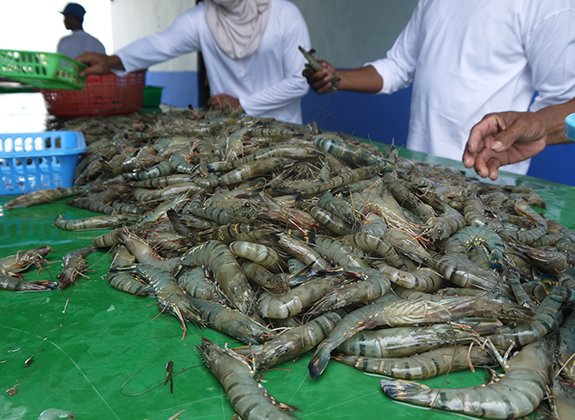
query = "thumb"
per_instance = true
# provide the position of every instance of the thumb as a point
(512, 133)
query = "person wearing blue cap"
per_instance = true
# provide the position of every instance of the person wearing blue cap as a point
(80, 41)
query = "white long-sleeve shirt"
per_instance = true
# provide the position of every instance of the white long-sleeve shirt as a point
(78, 43)
(268, 83)
(467, 58)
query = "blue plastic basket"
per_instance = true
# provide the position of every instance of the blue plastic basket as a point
(36, 161)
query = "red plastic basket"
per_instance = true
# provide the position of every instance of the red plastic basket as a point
(102, 95)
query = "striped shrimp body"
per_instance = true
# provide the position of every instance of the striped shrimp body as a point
(122, 278)
(335, 146)
(338, 253)
(309, 188)
(250, 400)
(261, 276)
(194, 282)
(170, 296)
(529, 235)
(145, 254)
(477, 236)
(517, 394)
(526, 333)
(404, 196)
(292, 342)
(261, 254)
(292, 302)
(444, 225)
(482, 307)
(340, 208)
(227, 272)
(18, 284)
(387, 208)
(329, 221)
(265, 153)
(95, 222)
(42, 196)
(387, 311)
(566, 349)
(74, 264)
(107, 240)
(375, 244)
(421, 279)
(372, 285)
(230, 321)
(465, 273)
(405, 341)
(301, 251)
(475, 215)
(422, 366)
(252, 169)
(406, 244)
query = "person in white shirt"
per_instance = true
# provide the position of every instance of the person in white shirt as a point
(250, 50)
(80, 41)
(467, 59)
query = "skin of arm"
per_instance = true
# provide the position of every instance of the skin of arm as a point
(504, 138)
(99, 63)
(363, 79)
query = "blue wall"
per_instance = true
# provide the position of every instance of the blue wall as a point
(381, 118)
(180, 87)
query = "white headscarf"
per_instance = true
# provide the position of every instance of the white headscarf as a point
(237, 25)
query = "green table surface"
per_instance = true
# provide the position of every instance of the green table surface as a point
(101, 353)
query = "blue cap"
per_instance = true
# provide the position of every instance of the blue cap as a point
(74, 9)
(570, 127)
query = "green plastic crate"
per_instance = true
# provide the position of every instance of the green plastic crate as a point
(42, 69)
(152, 96)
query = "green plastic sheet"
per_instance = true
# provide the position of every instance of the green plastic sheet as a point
(101, 353)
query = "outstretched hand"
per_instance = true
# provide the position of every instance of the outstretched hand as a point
(502, 139)
(99, 63)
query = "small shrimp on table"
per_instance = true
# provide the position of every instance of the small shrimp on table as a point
(517, 394)
(74, 263)
(22, 260)
(18, 284)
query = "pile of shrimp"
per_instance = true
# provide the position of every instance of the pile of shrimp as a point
(292, 240)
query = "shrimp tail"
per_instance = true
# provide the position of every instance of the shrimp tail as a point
(319, 362)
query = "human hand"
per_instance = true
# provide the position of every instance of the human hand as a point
(503, 138)
(221, 100)
(99, 63)
(320, 81)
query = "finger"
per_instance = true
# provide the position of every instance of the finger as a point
(481, 161)
(493, 165)
(489, 125)
(512, 133)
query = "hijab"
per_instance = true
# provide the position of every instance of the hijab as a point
(237, 25)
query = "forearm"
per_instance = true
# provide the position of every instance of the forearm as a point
(363, 80)
(275, 96)
(553, 118)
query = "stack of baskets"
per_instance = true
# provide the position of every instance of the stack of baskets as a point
(68, 95)
(102, 95)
